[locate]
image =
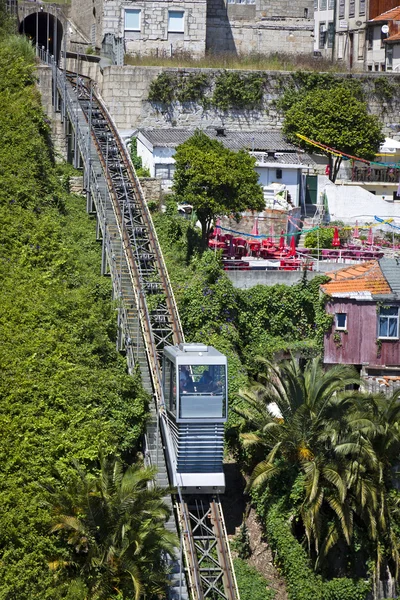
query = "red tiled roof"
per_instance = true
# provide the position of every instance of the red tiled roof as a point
(390, 15)
(365, 277)
(393, 38)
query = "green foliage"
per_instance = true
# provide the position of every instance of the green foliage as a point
(321, 238)
(215, 180)
(337, 119)
(64, 390)
(162, 88)
(137, 160)
(242, 542)
(236, 90)
(384, 89)
(282, 318)
(301, 581)
(303, 82)
(192, 87)
(113, 531)
(231, 89)
(252, 585)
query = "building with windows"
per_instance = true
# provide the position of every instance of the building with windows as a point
(383, 41)
(365, 307)
(280, 165)
(350, 30)
(324, 28)
(192, 27)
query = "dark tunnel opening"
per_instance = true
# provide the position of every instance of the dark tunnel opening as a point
(45, 29)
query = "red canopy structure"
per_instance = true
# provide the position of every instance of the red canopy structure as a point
(217, 229)
(370, 239)
(356, 233)
(292, 249)
(254, 231)
(336, 238)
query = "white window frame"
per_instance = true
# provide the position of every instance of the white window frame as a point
(343, 327)
(174, 29)
(133, 10)
(389, 318)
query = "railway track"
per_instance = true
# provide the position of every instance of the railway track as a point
(149, 316)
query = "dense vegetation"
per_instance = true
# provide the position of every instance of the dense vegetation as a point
(333, 113)
(320, 469)
(323, 458)
(64, 391)
(216, 181)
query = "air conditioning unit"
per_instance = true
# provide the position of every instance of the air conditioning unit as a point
(323, 29)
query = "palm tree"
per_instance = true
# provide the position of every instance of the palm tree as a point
(299, 419)
(114, 525)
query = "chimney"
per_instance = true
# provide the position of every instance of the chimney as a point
(220, 131)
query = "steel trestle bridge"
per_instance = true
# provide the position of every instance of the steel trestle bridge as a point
(148, 318)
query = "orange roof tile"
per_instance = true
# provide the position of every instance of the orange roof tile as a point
(390, 15)
(393, 38)
(365, 277)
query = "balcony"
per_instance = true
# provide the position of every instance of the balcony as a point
(374, 174)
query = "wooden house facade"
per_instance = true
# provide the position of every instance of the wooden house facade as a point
(364, 301)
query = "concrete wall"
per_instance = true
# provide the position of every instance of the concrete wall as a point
(248, 279)
(151, 188)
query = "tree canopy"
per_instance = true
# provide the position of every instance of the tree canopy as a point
(113, 527)
(215, 180)
(337, 118)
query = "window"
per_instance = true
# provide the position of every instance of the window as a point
(176, 21)
(389, 322)
(164, 171)
(279, 173)
(322, 4)
(342, 8)
(315, 4)
(361, 44)
(331, 34)
(331, 4)
(132, 19)
(322, 35)
(341, 320)
(370, 39)
(352, 8)
(361, 8)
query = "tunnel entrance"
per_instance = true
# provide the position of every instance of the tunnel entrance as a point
(44, 28)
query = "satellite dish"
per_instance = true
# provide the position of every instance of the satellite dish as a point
(385, 28)
(358, 23)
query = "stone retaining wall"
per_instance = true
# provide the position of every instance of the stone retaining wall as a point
(125, 91)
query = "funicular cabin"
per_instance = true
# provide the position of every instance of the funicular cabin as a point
(195, 394)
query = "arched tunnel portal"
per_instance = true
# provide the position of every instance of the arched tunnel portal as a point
(45, 29)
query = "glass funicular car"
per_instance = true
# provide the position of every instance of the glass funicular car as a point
(195, 395)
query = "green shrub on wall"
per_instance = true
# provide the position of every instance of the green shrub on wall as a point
(301, 581)
(235, 90)
(231, 90)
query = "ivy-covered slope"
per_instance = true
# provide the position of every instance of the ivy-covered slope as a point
(64, 390)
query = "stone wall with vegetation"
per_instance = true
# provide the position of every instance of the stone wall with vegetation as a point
(166, 97)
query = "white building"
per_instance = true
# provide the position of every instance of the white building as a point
(350, 27)
(278, 162)
(324, 28)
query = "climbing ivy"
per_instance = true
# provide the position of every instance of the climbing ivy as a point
(231, 89)
(238, 90)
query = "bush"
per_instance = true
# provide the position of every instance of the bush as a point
(301, 581)
(252, 585)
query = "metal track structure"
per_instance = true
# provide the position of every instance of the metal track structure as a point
(147, 317)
